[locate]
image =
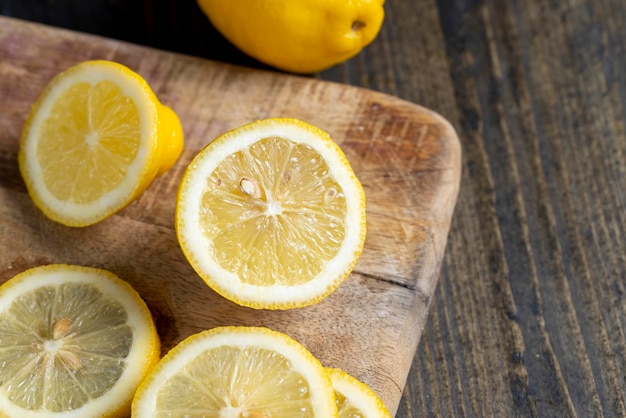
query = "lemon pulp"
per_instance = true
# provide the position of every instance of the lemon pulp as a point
(275, 205)
(95, 130)
(238, 380)
(53, 363)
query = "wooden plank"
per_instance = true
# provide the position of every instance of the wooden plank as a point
(529, 317)
(407, 157)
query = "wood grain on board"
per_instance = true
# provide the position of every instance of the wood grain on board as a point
(406, 156)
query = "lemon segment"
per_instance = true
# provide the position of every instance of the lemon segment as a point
(94, 140)
(354, 398)
(74, 342)
(271, 214)
(233, 372)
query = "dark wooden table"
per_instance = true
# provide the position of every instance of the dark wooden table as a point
(529, 317)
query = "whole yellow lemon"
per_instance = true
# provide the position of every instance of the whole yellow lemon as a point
(300, 36)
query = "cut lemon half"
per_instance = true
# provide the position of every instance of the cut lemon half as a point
(94, 140)
(354, 398)
(235, 372)
(74, 342)
(271, 214)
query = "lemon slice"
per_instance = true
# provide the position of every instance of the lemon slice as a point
(94, 140)
(74, 342)
(271, 215)
(235, 372)
(354, 398)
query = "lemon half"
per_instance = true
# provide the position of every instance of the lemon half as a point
(234, 372)
(74, 342)
(94, 140)
(271, 214)
(354, 398)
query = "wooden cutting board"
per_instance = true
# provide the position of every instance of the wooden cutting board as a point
(407, 157)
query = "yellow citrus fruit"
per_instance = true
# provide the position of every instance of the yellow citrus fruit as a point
(234, 372)
(354, 398)
(94, 140)
(301, 36)
(74, 342)
(271, 214)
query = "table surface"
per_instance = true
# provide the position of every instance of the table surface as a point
(529, 316)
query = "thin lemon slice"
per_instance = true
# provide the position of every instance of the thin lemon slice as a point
(271, 215)
(354, 398)
(94, 140)
(74, 342)
(235, 372)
